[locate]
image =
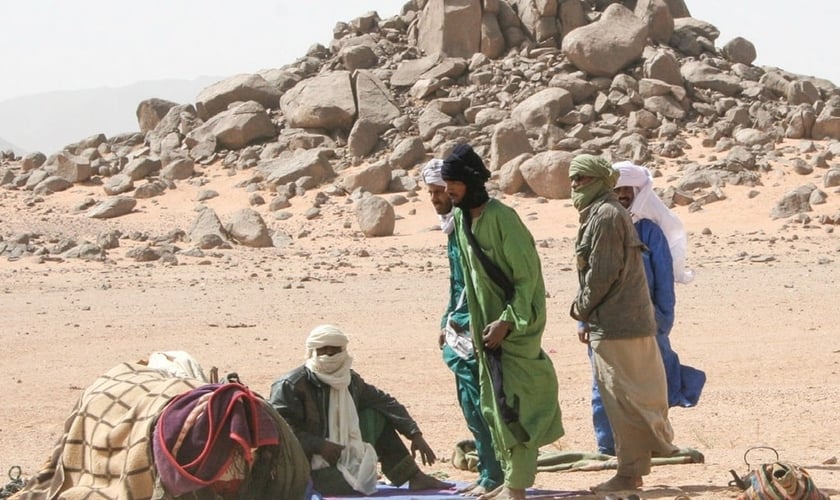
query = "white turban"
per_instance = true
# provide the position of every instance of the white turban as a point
(325, 336)
(647, 205)
(431, 172)
(432, 176)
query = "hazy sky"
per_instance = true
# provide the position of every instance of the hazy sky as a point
(50, 45)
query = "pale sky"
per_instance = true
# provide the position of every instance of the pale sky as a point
(48, 45)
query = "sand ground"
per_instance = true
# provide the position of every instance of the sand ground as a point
(761, 319)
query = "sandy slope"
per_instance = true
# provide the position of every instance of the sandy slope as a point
(761, 319)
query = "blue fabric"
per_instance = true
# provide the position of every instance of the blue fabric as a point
(659, 270)
(603, 429)
(685, 384)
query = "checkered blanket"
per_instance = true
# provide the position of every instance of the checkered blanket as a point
(106, 449)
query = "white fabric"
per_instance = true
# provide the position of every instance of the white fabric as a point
(447, 223)
(432, 172)
(358, 459)
(460, 342)
(432, 176)
(647, 205)
(178, 364)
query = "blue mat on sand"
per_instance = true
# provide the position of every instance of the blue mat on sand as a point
(403, 493)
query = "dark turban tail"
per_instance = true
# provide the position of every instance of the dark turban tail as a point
(464, 165)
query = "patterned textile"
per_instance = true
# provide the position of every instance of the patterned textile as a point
(200, 432)
(106, 449)
(781, 481)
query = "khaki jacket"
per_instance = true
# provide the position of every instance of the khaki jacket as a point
(613, 296)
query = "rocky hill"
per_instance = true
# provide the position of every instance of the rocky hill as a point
(529, 84)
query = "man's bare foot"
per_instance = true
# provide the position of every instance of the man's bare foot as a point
(423, 481)
(477, 491)
(491, 494)
(469, 487)
(504, 493)
(619, 483)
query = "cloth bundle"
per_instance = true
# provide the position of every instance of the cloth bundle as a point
(780, 481)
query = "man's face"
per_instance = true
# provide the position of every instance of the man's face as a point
(456, 191)
(329, 350)
(578, 181)
(626, 195)
(440, 199)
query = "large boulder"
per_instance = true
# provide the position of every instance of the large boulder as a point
(151, 111)
(793, 202)
(739, 50)
(605, 47)
(547, 174)
(112, 207)
(324, 102)
(313, 163)
(510, 139)
(706, 76)
(71, 167)
(376, 216)
(543, 108)
(242, 124)
(248, 228)
(240, 88)
(374, 102)
(206, 226)
(657, 16)
(827, 125)
(372, 178)
(450, 27)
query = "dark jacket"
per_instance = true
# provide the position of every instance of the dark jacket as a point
(302, 399)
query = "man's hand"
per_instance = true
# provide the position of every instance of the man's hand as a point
(442, 338)
(331, 452)
(495, 333)
(418, 444)
(583, 334)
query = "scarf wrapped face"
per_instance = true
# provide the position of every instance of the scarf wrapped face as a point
(603, 180)
(464, 165)
(327, 336)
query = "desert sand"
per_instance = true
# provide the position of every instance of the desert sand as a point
(761, 318)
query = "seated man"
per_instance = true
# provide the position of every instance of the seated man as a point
(346, 425)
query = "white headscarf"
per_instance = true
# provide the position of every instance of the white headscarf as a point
(431, 175)
(647, 205)
(358, 459)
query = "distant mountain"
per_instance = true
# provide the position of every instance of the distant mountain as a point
(47, 122)
(6, 145)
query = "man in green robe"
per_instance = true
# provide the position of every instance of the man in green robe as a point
(456, 341)
(506, 297)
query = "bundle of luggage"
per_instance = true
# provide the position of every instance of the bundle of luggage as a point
(161, 430)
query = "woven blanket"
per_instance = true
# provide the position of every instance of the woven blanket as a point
(106, 449)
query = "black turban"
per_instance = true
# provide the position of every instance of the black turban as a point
(464, 165)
